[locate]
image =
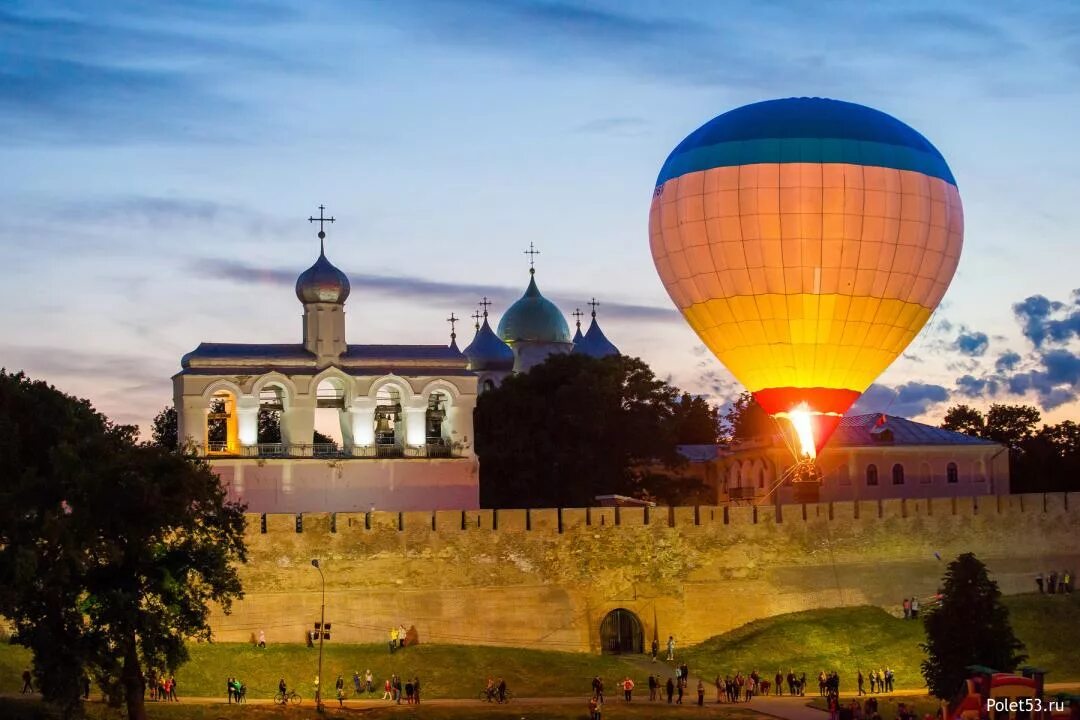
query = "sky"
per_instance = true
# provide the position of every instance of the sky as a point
(159, 160)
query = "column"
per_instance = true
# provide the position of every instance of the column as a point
(247, 410)
(415, 416)
(298, 423)
(191, 423)
(461, 424)
(232, 426)
(361, 423)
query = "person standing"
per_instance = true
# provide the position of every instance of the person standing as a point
(1052, 584)
(907, 609)
(670, 689)
(680, 688)
(719, 687)
(27, 687)
(1039, 583)
(86, 687)
(416, 689)
(502, 690)
(628, 688)
(655, 648)
(594, 707)
(229, 689)
(172, 689)
(401, 635)
(262, 639)
(387, 695)
(369, 681)
(408, 692)
(339, 686)
(914, 608)
(671, 647)
(873, 682)
(779, 683)
(859, 680)
(315, 682)
(652, 688)
(393, 639)
(357, 686)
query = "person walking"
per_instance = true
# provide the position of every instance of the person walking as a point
(408, 692)
(670, 689)
(859, 680)
(387, 695)
(627, 688)
(594, 708)
(339, 686)
(680, 689)
(27, 687)
(262, 639)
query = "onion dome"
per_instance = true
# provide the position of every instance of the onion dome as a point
(577, 321)
(322, 283)
(487, 351)
(595, 343)
(533, 318)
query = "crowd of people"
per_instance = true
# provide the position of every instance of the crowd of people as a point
(882, 680)
(1054, 582)
(161, 689)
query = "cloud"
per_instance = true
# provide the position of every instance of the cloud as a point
(1044, 320)
(973, 344)
(428, 290)
(1055, 383)
(1008, 360)
(909, 399)
(100, 73)
(973, 387)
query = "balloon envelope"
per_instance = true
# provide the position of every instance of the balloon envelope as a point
(806, 241)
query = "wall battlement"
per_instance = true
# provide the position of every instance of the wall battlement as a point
(559, 520)
(547, 577)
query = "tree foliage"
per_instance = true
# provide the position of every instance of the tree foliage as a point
(1041, 459)
(575, 427)
(164, 432)
(970, 626)
(111, 551)
(746, 420)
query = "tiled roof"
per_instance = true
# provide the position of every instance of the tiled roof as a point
(858, 430)
(402, 352)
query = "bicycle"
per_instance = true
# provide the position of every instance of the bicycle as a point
(288, 698)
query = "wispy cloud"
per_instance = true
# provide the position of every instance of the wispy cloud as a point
(910, 399)
(616, 126)
(424, 289)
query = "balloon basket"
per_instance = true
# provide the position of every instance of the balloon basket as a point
(806, 481)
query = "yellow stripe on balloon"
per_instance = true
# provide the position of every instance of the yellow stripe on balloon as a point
(806, 340)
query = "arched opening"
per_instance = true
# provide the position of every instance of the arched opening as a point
(437, 424)
(389, 422)
(952, 473)
(272, 404)
(621, 632)
(329, 412)
(222, 430)
(897, 474)
(871, 475)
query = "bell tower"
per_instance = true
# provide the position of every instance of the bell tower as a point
(323, 289)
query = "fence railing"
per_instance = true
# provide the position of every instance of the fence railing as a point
(332, 450)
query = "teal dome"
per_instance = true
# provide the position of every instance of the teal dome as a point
(533, 318)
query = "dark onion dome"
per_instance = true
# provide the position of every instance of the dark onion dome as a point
(811, 130)
(595, 343)
(488, 352)
(577, 335)
(533, 318)
(322, 283)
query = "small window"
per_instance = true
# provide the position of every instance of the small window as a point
(871, 475)
(952, 474)
(897, 474)
(489, 385)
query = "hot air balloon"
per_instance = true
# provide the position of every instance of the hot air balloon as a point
(806, 241)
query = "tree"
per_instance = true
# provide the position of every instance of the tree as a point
(970, 626)
(696, 421)
(746, 420)
(964, 419)
(110, 551)
(164, 432)
(574, 427)
(1011, 425)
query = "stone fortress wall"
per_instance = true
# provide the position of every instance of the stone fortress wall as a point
(546, 578)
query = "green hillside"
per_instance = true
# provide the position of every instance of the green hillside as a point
(847, 639)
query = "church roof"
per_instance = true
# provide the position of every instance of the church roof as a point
(487, 351)
(322, 283)
(533, 318)
(595, 343)
(860, 430)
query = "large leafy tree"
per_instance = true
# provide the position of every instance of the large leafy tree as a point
(970, 626)
(964, 419)
(574, 427)
(111, 551)
(746, 420)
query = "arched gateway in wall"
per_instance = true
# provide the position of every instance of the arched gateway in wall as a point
(621, 632)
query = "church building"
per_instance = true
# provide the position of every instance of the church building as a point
(405, 412)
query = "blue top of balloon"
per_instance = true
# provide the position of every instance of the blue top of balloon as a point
(815, 130)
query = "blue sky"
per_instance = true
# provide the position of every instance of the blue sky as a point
(159, 160)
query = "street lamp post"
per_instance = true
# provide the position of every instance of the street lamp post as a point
(322, 631)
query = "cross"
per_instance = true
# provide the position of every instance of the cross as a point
(532, 253)
(321, 220)
(484, 303)
(594, 305)
(577, 316)
(476, 318)
(453, 322)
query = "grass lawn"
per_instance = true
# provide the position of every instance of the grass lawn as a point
(12, 709)
(846, 639)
